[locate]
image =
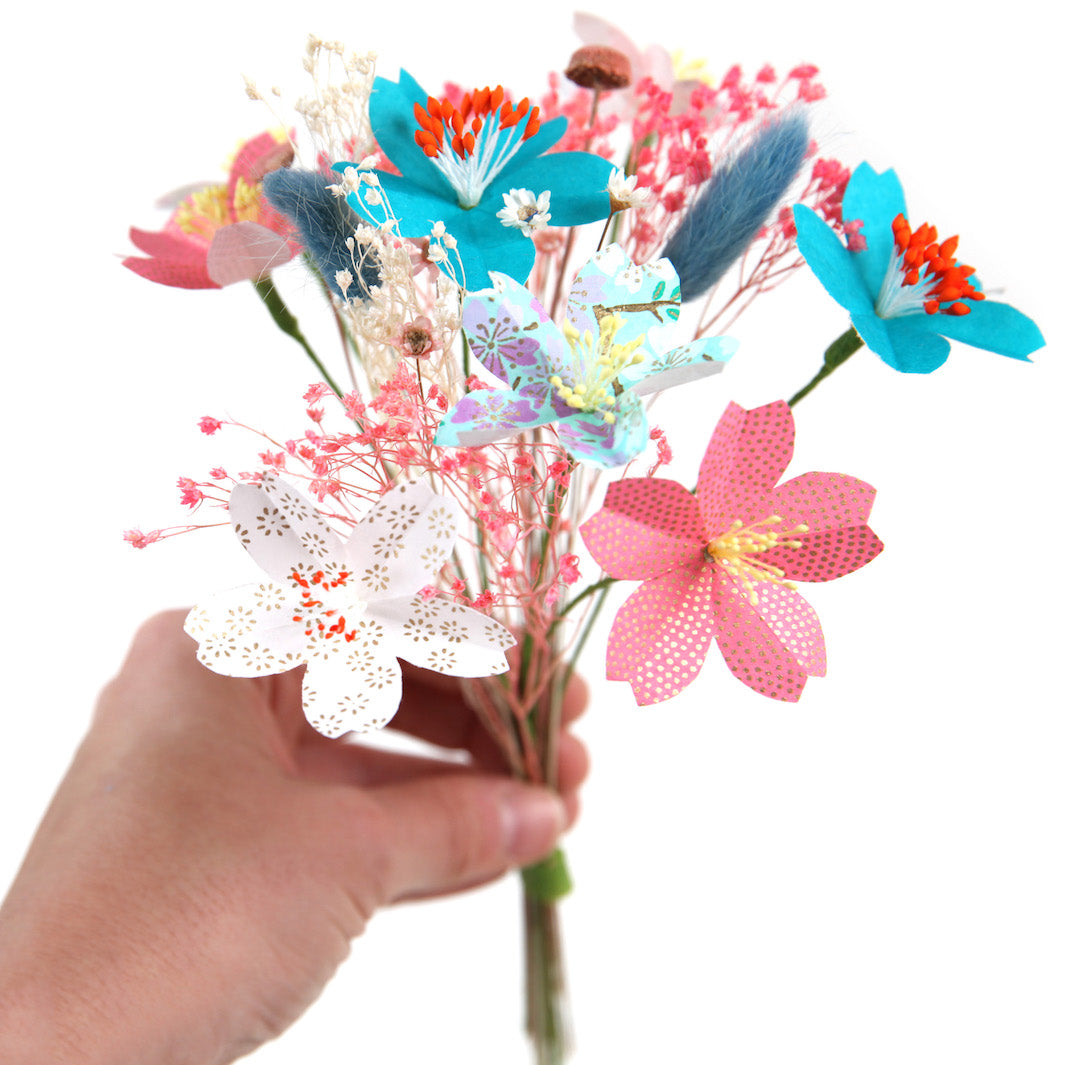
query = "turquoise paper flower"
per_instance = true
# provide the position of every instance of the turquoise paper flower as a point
(905, 292)
(457, 163)
(587, 376)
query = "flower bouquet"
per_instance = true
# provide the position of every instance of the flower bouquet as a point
(513, 283)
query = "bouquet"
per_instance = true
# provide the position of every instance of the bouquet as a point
(513, 280)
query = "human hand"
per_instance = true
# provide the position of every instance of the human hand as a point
(208, 858)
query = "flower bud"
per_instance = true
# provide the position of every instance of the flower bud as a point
(597, 67)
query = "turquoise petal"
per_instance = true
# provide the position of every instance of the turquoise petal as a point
(996, 327)
(484, 245)
(909, 344)
(393, 124)
(589, 439)
(876, 199)
(417, 209)
(832, 264)
(577, 181)
(490, 414)
(701, 358)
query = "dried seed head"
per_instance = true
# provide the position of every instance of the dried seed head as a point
(597, 67)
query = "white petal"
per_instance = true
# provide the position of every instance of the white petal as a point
(440, 635)
(280, 528)
(247, 632)
(351, 688)
(399, 547)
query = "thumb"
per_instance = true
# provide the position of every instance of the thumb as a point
(452, 831)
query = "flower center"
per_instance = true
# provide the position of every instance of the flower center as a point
(321, 610)
(470, 144)
(598, 363)
(924, 275)
(737, 551)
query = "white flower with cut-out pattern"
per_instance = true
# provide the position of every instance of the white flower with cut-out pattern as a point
(345, 608)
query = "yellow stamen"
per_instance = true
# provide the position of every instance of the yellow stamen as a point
(737, 551)
(598, 363)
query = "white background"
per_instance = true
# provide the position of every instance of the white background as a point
(874, 875)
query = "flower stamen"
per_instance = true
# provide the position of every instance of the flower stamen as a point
(737, 551)
(598, 363)
(471, 143)
(924, 275)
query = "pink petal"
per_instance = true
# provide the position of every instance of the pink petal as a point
(257, 157)
(794, 623)
(661, 634)
(174, 272)
(751, 647)
(245, 251)
(648, 525)
(748, 454)
(826, 555)
(169, 245)
(823, 501)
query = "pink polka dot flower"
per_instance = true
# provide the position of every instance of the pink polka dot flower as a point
(720, 563)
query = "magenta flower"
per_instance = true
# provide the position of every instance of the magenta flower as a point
(222, 234)
(720, 564)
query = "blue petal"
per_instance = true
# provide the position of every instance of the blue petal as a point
(876, 199)
(393, 123)
(549, 134)
(577, 181)
(996, 327)
(485, 244)
(832, 264)
(909, 344)
(417, 209)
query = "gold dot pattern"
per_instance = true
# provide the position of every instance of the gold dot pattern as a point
(660, 636)
(647, 525)
(748, 454)
(751, 648)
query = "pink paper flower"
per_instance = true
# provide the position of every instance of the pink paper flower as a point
(720, 563)
(222, 234)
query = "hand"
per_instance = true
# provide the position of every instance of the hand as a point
(208, 858)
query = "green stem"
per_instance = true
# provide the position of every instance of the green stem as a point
(838, 352)
(602, 585)
(286, 322)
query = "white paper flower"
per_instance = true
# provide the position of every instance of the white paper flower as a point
(525, 211)
(345, 608)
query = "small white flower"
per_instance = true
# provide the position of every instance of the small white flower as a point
(372, 198)
(437, 231)
(345, 608)
(624, 193)
(525, 211)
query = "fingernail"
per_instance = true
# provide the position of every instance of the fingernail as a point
(532, 820)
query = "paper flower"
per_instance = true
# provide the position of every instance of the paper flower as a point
(587, 376)
(905, 292)
(345, 608)
(720, 564)
(457, 163)
(222, 234)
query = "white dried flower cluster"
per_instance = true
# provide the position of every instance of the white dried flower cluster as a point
(408, 288)
(337, 114)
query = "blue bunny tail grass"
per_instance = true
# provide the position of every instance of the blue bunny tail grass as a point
(736, 202)
(325, 222)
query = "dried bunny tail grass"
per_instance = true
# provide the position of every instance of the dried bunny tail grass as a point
(737, 201)
(326, 223)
